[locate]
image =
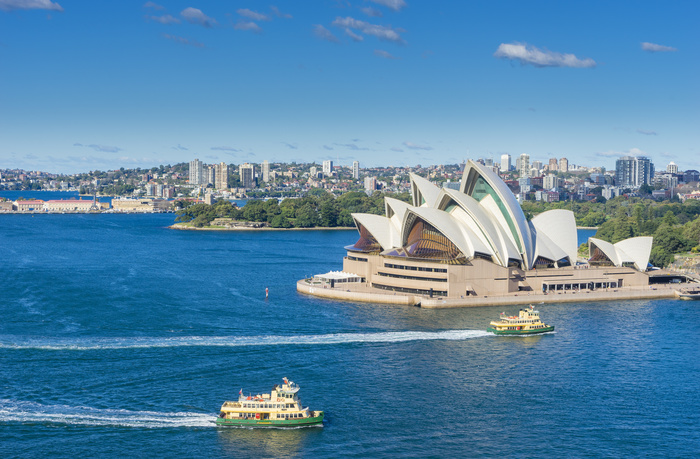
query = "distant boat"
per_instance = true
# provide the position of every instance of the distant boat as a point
(280, 408)
(527, 322)
(690, 294)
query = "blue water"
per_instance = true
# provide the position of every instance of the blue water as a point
(120, 337)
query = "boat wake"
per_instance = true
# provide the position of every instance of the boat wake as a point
(88, 343)
(37, 413)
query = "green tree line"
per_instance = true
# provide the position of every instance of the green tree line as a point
(318, 208)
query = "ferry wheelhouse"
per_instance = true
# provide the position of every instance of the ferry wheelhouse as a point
(527, 322)
(280, 408)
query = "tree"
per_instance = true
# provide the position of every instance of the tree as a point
(306, 217)
(280, 221)
(329, 213)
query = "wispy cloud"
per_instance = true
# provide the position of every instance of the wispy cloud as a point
(654, 48)
(353, 35)
(247, 25)
(180, 147)
(397, 149)
(613, 153)
(292, 146)
(196, 16)
(100, 148)
(384, 54)
(153, 5)
(646, 132)
(226, 148)
(9, 5)
(528, 54)
(395, 5)
(327, 147)
(325, 34)
(276, 11)
(165, 19)
(385, 33)
(372, 12)
(351, 146)
(254, 15)
(183, 41)
(415, 146)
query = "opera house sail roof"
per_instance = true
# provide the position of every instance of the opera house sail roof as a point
(483, 220)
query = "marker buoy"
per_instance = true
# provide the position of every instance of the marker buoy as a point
(267, 292)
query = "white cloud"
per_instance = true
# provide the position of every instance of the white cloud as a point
(165, 19)
(184, 41)
(618, 154)
(353, 35)
(654, 48)
(384, 33)
(226, 148)
(100, 148)
(384, 54)
(153, 5)
(9, 5)
(196, 16)
(414, 146)
(249, 25)
(324, 34)
(528, 54)
(254, 15)
(276, 11)
(372, 12)
(395, 5)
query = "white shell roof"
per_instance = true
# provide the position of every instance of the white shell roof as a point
(559, 226)
(510, 203)
(461, 236)
(380, 227)
(633, 250)
(423, 188)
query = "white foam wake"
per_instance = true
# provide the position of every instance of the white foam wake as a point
(87, 343)
(31, 412)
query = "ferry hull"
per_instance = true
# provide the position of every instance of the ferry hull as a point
(310, 421)
(520, 332)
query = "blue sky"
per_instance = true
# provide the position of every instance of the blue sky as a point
(101, 85)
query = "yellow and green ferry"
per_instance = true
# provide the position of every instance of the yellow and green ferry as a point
(280, 408)
(527, 322)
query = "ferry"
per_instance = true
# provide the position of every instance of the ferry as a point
(526, 323)
(280, 408)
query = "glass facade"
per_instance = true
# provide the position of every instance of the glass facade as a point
(425, 241)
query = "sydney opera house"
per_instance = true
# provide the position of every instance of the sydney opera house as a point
(475, 242)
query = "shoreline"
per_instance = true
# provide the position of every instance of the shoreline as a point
(365, 294)
(176, 226)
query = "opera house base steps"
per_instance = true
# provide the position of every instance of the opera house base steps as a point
(360, 292)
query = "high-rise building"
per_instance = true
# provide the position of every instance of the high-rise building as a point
(523, 165)
(563, 165)
(221, 176)
(488, 162)
(672, 168)
(265, 171)
(550, 182)
(328, 167)
(356, 170)
(247, 174)
(370, 184)
(505, 162)
(209, 175)
(633, 171)
(553, 165)
(537, 165)
(196, 172)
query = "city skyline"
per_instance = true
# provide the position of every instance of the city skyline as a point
(136, 84)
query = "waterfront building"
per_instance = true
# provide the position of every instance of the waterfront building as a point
(221, 176)
(505, 163)
(196, 172)
(563, 165)
(265, 171)
(68, 205)
(247, 175)
(633, 171)
(129, 205)
(522, 164)
(476, 242)
(31, 205)
(328, 168)
(356, 170)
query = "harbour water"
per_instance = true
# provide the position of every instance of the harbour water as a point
(120, 337)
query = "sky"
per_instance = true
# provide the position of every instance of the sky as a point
(88, 85)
